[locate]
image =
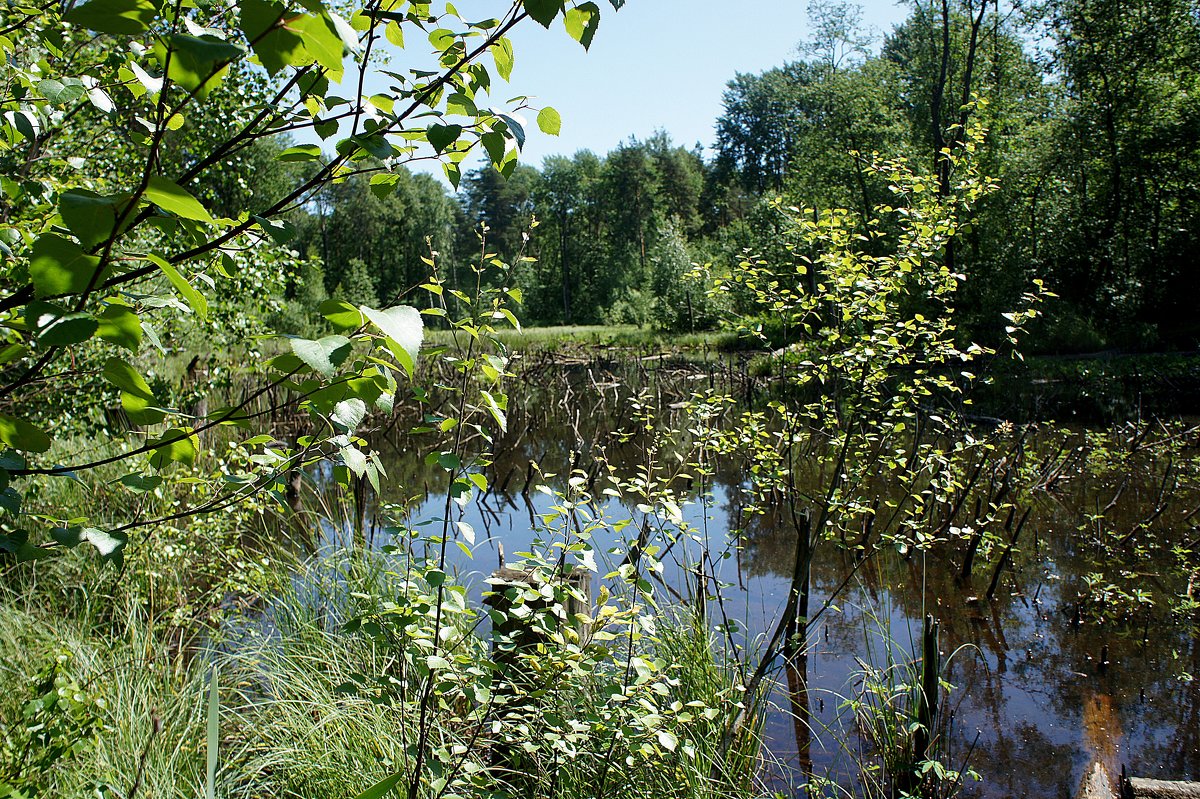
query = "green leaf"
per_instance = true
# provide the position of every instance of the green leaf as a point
(113, 16)
(382, 788)
(395, 34)
(323, 355)
(59, 266)
(214, 736)
(109, 545)
(61, 92)
(197, 61)
(322, 42)
(581, 23)
(516, 128)
(141, 483)
(21, 435)
(325, 129)
(193, 298)
(453, 173)
(10, 502)
(442, 136)
(502, 54)
(11, 353)
(152, 84)
(266, 27)
(549, 121)
(121, 326)
(349, 413)
(280, 230)
(177, 445)
(442, 39)
(402, 325)
(543, 11)
(459, 103)
(87, 215)
(26, 123)
(384, 184)
(57, 327)
(495, 145)
(126, 378)
(301, 152)
(496, 409)
(345, 31)
(342, 315)
(137, 400)
(355, 460)
(17, 542)
(170, 197)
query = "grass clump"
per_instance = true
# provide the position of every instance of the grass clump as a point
(337, 680)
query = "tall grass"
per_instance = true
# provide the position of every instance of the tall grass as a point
(146, 703)
(296, 721)
(535, 339)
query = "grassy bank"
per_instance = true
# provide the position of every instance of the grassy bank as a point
(593, 337)
(339, 670)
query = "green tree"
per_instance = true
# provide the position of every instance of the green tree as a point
(504, 203)
(390, 225)
(357, 285)
(762, 119)
(568, 241)
(122, 127)
(1120, 203)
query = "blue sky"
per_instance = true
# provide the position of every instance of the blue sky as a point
(659, 64)
(654, 65)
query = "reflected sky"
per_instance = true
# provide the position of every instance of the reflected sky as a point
(1039, 691)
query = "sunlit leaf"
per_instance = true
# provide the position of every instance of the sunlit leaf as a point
(59, 266)
(193, 298)
(22, 435)
(113, 16)
(275, 44)
(176, 445)
(322, 355)
(502, 54)
(401, 324)
(581, 23)
(172, 198)
(349, 413)
(197, 61)
(549, 121)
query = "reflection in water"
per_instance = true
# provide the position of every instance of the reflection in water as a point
(1042, 687)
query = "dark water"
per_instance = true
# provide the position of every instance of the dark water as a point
(1042, 685)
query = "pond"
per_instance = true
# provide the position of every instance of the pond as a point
(1044, 680)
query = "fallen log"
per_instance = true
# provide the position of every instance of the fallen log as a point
(1141, 788)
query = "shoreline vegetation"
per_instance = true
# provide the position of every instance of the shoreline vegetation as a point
(824, 502)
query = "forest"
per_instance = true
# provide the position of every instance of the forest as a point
(1094, 154)
(344, 452)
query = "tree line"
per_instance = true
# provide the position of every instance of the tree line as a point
(1092, 145)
